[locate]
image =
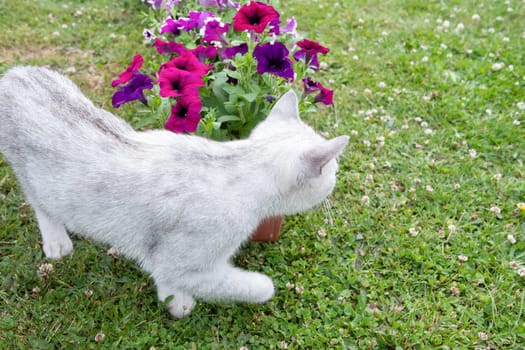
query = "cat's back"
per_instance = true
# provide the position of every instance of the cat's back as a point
(41, 108)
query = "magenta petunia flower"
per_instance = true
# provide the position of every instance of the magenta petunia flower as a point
(325, 96)
(126, 75)
(214, 30)
(230, 52)
(169, 47)
(187, 62)
(171, 26)
(185, 115)
(175, 82)
(133, 91)
(254, 17)
(308, 52)
(273, 58)
(202, 53)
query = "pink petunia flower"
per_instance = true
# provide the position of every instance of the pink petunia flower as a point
(168, 48)
(175, 82)
(308, 52)
(185, 115)
(187, 62)
(254, 17)
(126, 75)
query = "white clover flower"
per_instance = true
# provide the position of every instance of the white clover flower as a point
(99, 337)
(482, 336)
(462, 258)
(45, 270)
(299, 289)
(476, 17)
(429, 188)
(424, 59)
(428, 131)
(511, 239)
(452, 228)
(516, 123)
(321, 233)
(366, 143)
(513, 265)
(413, 232)
(497, 177)
(521, 272)
(495, 209)
(498, 66)
(460, 27)
(521, 106)
(381, 84)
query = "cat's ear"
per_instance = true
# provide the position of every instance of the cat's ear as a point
(318, 156)
(287, 107)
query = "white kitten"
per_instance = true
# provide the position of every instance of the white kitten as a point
(179, 205)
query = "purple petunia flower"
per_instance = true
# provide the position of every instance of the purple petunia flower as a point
(273, 58)
(133, 91)
(185, 115)
(290, 27)
(208, 3)
(230, 52)
(214, 30)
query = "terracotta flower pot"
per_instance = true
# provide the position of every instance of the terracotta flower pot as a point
(268, 230)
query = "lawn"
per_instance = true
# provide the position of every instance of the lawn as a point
(423, 245)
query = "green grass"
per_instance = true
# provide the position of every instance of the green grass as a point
(387, 275)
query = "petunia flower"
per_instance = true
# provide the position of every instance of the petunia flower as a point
(290, 27)
(187, 62)
(308, 52)
(133, 91)
(325, 96)
(175, 82)
(273, 58)
(126, 75)
(214, 30)
(254, 17)
(171, 26)
(185, 115)
(310, 86)
(202, 53)
(168, 48)
(230, 52)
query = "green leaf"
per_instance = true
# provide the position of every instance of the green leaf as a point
(228, 118)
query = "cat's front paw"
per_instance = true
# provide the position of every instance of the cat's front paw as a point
(181, 305)
(262, 288)
(56, 249)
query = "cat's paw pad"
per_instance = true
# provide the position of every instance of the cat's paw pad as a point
(262, 288)
(181, 305)
(56, 249)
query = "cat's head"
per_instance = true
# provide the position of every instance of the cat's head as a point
(304, 163)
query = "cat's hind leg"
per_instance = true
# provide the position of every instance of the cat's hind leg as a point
(56, 242)
(229, 283)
